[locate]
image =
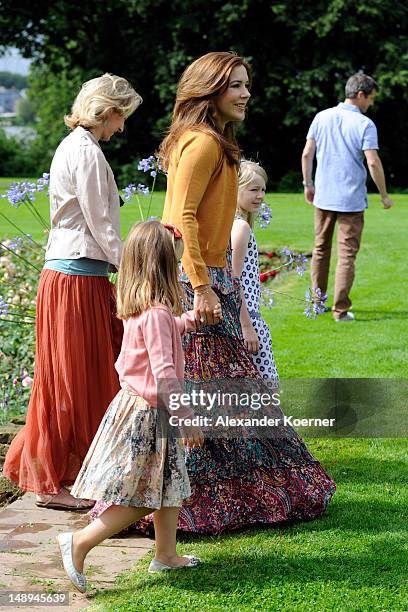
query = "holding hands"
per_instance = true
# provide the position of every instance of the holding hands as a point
(207, 307)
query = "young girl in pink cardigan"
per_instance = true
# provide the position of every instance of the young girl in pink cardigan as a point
(136, 462)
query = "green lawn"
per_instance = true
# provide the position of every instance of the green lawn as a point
(374, 346)
(355, 558)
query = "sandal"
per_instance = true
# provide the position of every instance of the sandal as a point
(52, 504)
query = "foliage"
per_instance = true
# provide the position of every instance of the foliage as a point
(301, 54)
(10, 80)
(51, 97)
(15, 157)
(25, 112)
(18, 285)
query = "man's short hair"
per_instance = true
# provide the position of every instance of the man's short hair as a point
(360, 82)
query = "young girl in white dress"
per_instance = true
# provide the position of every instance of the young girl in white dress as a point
(135, 462)
(245, 265)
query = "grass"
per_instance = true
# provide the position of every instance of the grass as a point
(354, 558)
(374, 346)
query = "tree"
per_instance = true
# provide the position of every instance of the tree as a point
(301, 53)
(25, 112)
(10, 80)
(15, 157)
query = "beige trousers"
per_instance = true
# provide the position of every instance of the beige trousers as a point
(350, 227)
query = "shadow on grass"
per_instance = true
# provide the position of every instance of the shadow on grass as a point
(357, 545)
(369, 316)
(348, 516)
(382, 564)
(366, 470)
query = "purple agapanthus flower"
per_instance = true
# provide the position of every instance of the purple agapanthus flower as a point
(315, 303)
(132, 189)
(267, 298)
(43, 181)
(4, 307)
(143, 190)
(149, 163)
(16, 243)
(264, 216)
(18, 192)
(298, 261)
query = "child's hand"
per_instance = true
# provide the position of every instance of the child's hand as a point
(251, 339)
(217, 316)
(205, 302)
(193, 436)
(217, 313)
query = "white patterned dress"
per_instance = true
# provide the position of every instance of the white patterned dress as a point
(263, 359)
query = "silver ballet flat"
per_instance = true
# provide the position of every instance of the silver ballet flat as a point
(157, 566)
(65, 544)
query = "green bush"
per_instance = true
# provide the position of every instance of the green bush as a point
(18, 287)
(16, 158)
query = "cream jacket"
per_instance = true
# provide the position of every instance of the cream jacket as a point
(84, 202)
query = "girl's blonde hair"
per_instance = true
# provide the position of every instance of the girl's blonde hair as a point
(195, 109)
(248, 171)
(148, 271)
(98, 97)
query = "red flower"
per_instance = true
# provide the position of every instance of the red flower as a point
(263, 277)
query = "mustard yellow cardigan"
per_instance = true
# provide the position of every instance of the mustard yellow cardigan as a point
(201, 199)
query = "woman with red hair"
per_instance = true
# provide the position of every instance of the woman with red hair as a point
(235, 481)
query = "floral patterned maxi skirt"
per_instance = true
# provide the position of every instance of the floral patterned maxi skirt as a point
(238, 482)
(135, 459)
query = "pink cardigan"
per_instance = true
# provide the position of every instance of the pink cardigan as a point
(151, 353)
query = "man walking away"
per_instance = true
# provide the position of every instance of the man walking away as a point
(341, 137)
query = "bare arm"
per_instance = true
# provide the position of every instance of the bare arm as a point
(239, 242)
(307, 169)
(376, 170)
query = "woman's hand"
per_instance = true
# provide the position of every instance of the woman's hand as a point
(192, 436)
(251, 339)
(207, 307)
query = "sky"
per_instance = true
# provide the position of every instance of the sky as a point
(12, 61)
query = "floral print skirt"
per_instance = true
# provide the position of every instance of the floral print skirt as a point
(240, 481)
(135, 459)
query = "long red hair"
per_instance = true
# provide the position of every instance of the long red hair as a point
(201, 82)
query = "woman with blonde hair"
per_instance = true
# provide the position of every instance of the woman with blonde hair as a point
(77, 334)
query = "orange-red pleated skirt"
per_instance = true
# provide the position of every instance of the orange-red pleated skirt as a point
(78, 338)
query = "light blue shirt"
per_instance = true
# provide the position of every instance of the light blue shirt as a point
(83, 266)
(342, 133)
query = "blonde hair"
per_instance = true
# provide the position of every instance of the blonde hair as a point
(148, 271)
(202, 81)
(248, 171)
(99, 97)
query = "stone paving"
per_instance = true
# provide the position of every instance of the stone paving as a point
(29, 559)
